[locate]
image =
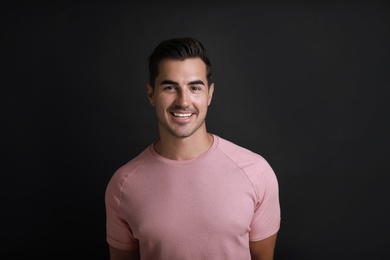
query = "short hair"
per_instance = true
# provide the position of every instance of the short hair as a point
(178, 49)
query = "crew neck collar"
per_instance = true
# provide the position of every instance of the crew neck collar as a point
(184, 162)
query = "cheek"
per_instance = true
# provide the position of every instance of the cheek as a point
(204, 102)
(162, 103)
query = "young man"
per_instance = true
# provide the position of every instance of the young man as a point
(191, 194)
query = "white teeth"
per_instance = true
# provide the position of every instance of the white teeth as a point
(182, 115)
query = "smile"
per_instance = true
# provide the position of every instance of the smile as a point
(182, 115)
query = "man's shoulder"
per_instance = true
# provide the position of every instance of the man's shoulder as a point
(255, 166)
(122, 174)
(235, 149)
(239, 154)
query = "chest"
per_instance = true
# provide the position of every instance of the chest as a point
(176, 203)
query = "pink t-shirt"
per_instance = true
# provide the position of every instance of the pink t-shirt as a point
(205, 208)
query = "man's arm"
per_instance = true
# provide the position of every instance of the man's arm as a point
(118, 254)
(263, 249)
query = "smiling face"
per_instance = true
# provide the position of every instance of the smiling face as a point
(181, 97)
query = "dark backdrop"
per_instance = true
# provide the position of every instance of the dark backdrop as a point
(304, 85)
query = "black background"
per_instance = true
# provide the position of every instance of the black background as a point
(306, 85)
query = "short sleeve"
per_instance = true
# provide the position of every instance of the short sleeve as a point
(266, 218)
(119, 234)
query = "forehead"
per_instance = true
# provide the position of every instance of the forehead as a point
(176, 69)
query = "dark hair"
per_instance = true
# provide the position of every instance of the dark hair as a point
(178, 49)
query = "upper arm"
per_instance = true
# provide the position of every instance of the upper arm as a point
(263, 249)
(118, 254)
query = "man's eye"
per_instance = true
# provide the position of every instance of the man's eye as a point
(169, 88)
(195, 88)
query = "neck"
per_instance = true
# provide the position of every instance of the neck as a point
(177, 148)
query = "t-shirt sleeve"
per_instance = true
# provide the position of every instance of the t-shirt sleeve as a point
(119, 234)
(266, 218)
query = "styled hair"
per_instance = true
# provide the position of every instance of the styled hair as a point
(178, 49)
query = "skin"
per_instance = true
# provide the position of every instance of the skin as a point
(118, 254)
(181, 88)
(263, 249)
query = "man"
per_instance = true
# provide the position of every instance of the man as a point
(191, 194)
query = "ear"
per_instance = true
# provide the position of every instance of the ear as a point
(210, 95)
(150, 92)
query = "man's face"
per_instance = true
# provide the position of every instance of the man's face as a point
(181, 97)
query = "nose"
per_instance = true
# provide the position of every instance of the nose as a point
(183, 98)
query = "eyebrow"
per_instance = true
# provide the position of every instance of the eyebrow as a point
(196, 82)
(170, 82)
